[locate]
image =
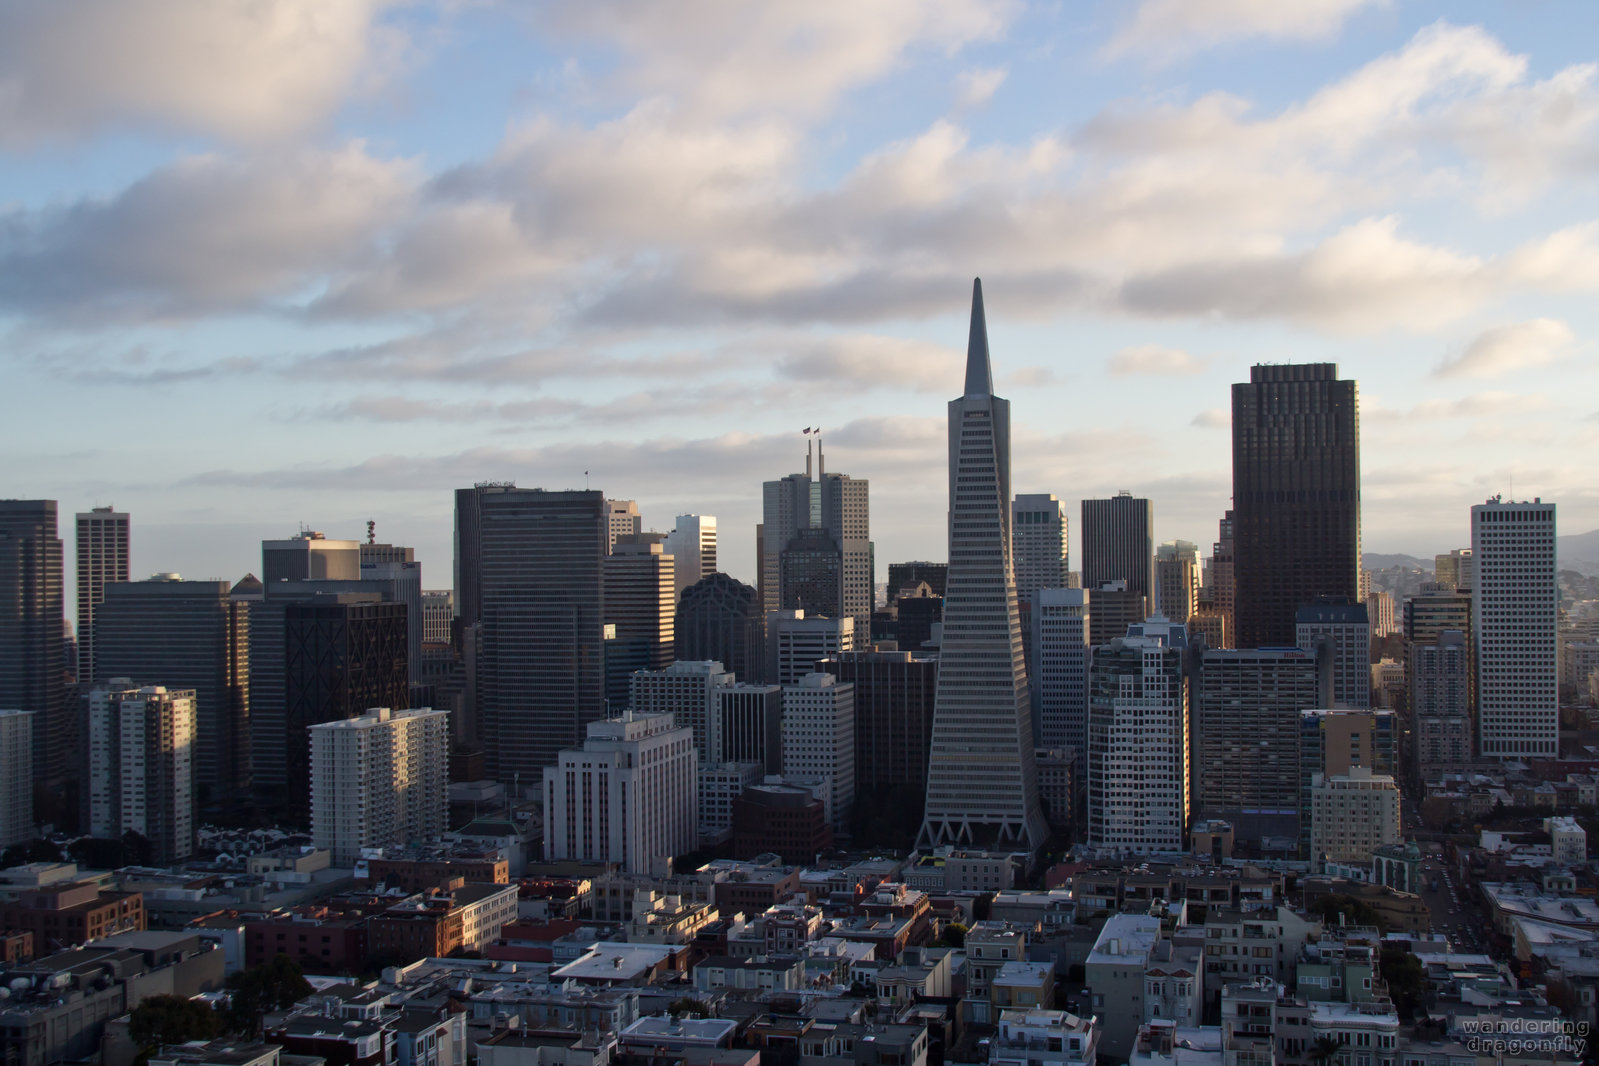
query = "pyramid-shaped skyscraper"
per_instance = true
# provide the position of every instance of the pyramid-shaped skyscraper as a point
(982, 785)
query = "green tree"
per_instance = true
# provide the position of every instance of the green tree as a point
(1355, 911)
(954, 935)
(1325, 1050)
(172, 1020)
(687, 1005)
(275, 985)
(38, 850)
(1407, 980)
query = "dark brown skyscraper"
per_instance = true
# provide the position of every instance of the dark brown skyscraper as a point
(1296, 497)
(1119, 545)
(31, 624)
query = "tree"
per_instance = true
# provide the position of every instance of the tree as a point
(983, 906)
(1407, 980)
(172, 1020)
(686, 1005)
(1325, 1050)
(1355, 911)
(954, 935)
(275, 985)
(39, 850)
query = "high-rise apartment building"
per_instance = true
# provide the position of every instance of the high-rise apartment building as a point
(1059, 680)
(833, 511)
(1039, 543)
(628, 796)
(1246, 735)
(102, 560)
(1177, 579)
(639, 613)
(691, 693)
(719, 618)
(1435, 609)
(32, 677)
(1138, 704)
(982, 781)
(1346, 629)
(797, 643)
(1514, 622)
(621, 520)
(819, 738)
(140, 749)
(1119, 544)
(1440, 705)
(309, 556)
(692, 546)
(16, 777)
(378, 779)
(1296, 497)
(531, 574)
(188, 635)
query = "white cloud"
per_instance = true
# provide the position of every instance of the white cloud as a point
(1213, 418)
(1154, 359)
(236, 69)
(1165, 29)
(1504, 349)
(976, 87)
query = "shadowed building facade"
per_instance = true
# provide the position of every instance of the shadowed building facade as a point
(719, 619)
(32, 626)
(982, 785)
(1296, 497)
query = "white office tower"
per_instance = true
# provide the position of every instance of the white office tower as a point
(1038, 543)
(1060, 687)
(379, 779)
(621, 520)
(795, 643)
(16, 777)
(141, 766)
(982, 783)
(1138, 741)
(692, 545)
(1177, 579)
(819, 738)
(628, 796)
(691, 693)
(1513, 619)
(1351, 815)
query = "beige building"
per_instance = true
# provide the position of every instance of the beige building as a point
(379, 779)
(1351, 814)
(141, 747)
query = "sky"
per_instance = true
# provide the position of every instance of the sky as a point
(273, 264)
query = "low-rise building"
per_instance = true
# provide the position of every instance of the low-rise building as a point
(782, 973)
(1044, 1038)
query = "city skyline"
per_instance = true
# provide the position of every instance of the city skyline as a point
(394, 280)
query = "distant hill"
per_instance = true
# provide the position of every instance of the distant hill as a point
(1579, 552)
(1377, 561)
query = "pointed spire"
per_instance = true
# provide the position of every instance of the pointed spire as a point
(979, 377)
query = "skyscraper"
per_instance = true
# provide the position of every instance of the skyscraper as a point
(621, 520)
(1440, 705)
(692, 546)
(1177, 579)
(796, 643)
(400, 578)
(530, 573)
(982, 785)
(16, 777)
(378, 779)
(691, 693)
(1345, 627)
(187, 635)
(1138, 702)
(819, 738)
(102, 559)
(826, 515)
(1296, 497)
(140, 747)
(638, 612)
(309, 556)
(720, 618)
(1038, 543)
(894, 696)
(1514, 622)
(1119, 544)
(31, 631)
(1060, 682)
(1224, 582)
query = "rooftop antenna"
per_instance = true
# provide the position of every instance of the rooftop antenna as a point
(585, 481)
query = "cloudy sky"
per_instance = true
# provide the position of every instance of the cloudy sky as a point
(273, 262)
